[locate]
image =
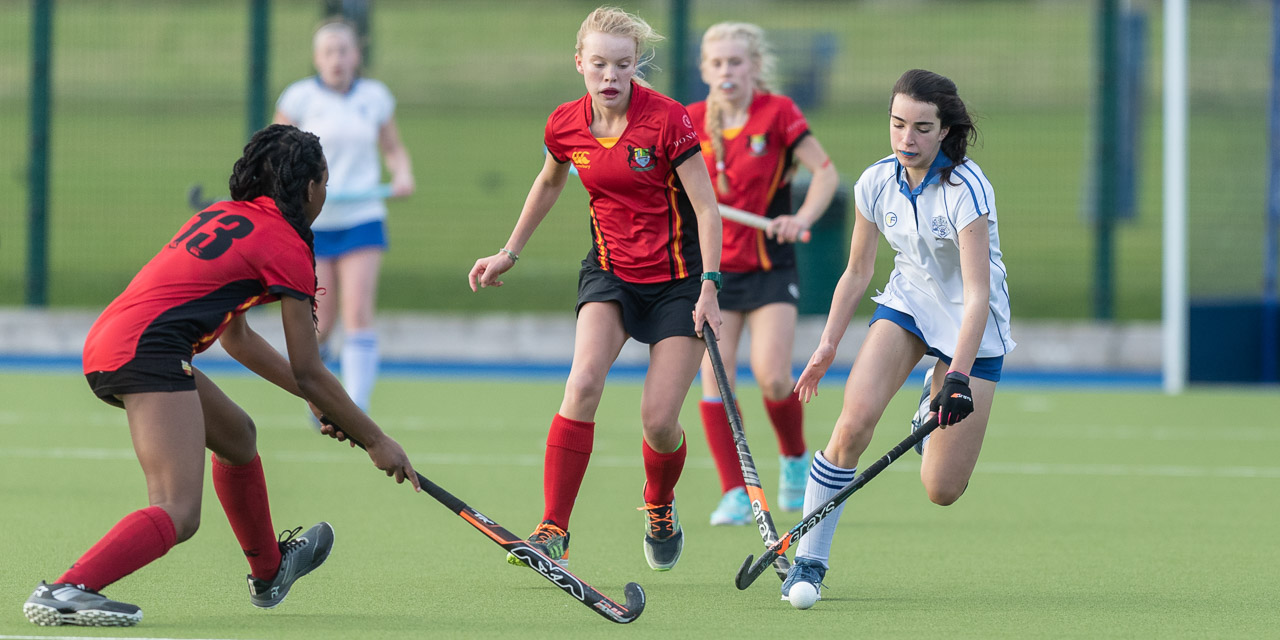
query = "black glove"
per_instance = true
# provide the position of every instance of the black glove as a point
(955, 401)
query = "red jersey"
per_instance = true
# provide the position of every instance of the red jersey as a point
(758, 162)
(224, 260)
(639, 230)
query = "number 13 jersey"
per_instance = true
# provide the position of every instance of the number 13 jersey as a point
(224, 260)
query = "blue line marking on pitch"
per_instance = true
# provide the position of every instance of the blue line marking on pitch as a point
(459, 369)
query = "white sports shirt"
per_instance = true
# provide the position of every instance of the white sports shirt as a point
(347, 125)
(921, 226)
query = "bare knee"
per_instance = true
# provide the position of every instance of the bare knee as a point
(776, 387)
(944, 495)
(848, 440)
(186, 520)
(235, 442)
(583, 391)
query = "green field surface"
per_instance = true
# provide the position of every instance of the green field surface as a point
(1092, 514)
(149, 98)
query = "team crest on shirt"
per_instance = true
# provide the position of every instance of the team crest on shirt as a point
(640, 158)
(939, 225)
(759, 143)
(890, 219)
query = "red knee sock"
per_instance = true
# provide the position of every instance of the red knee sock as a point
(661, 472)
(135, 541)
(242, 490)
(787, 416)
(715, 423)
(568, 452)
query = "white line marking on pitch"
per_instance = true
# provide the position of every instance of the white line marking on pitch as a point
(94, 638)
(625, 462)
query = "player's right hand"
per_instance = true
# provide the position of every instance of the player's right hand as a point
(388, 455)
(819, 362)
(486, 271)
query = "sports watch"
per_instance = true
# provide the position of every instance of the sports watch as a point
(713, 276)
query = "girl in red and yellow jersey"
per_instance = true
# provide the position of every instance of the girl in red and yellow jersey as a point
(651, 274)
(232, 256)
(752, 140)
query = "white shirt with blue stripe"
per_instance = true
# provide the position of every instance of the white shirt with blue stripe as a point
(922, 226)
(347, 125)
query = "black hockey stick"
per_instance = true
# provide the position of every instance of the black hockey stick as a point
(759, 506)
(536, 560)
(749, 570)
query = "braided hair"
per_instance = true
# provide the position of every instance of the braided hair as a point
(280, 162)
(762, 57)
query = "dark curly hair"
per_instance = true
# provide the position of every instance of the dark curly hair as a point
(941, 92)
(280, 162)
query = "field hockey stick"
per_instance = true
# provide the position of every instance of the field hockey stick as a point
(759, 506)
(379, 192)
(535, 559)
(198, 202)
(749, 570)
(752, 220)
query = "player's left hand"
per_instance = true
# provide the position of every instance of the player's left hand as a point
(955, 401)
(707, 310)
(329, 429)
(786, 229)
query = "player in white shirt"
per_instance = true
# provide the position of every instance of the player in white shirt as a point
(946, 297)
(354, 118)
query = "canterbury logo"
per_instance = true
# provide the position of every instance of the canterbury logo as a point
(580, 158)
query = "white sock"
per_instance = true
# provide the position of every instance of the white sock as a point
(825, 481)
(360, 365)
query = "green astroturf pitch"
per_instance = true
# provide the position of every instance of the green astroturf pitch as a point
(1091, 514)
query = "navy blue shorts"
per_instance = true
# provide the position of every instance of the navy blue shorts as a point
(985, 368)
(650, 312)
(754, 289)
(332, 244)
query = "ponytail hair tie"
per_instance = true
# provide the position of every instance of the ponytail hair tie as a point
(719, 165)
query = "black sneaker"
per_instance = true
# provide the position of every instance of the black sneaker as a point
(57, 604)
(299, 555)
(663, 537)
(551, 540)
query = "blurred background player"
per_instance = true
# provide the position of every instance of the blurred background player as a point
(355, 119)
(651, 273)
(253, 250)
(751, 140)
(946, 297)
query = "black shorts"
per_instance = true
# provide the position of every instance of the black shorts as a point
(754, 289)
(143, 374)
(650, 312)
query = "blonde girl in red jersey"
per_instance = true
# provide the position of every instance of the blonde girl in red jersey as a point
(652, 272)
(752, 141)
(252, 250)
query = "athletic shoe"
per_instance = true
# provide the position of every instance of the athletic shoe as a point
(734, 509)
(922, 412)
(792, 478)
(299, 555)
(53, 605)
(804, 570)
(663, 537)
(551, 540)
